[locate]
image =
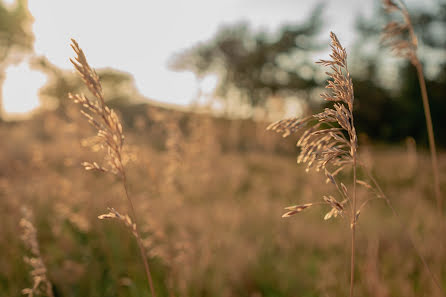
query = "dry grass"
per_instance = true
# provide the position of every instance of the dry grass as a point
(324, 146)
(207, 203)
(110, 138)
(226, 239)
(401, 38)
(41, 284)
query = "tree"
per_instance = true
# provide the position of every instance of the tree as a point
(254, 65)
(119, 87)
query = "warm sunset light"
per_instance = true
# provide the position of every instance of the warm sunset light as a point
(222, 148)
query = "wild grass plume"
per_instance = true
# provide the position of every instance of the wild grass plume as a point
(110, 138)
(401, 39)
(329, 142)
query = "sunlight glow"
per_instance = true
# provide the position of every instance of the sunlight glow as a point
(209, 83)
(20, 88)
(141, 38)
(9, 2)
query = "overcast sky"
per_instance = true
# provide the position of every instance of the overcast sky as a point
(140, 37)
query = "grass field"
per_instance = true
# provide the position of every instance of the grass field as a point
(210, 215)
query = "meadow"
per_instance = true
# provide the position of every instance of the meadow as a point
(97, 190)
(209, 197)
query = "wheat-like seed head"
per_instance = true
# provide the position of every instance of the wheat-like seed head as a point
(109, 137)
(99, 115)
(329, 140)
(125, 219)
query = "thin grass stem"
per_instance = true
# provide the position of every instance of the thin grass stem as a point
(138, 237)
(353, 228)
(430, 132)
(408, 50)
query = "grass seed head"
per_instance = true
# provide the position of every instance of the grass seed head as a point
(99, 115)
(328, 141)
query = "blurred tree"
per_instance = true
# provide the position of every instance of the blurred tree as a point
(390, 107)
(255, 66)
(16, 37)
(119, 87)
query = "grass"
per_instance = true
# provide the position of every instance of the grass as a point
(208, 214)
(110, 138)
(325, 147)
(401, 38)
(215, 242)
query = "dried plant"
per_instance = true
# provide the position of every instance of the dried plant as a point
(125, 219)
(401, 38)
(41, 284)
(324, 146)
(109, 137)
(100, 116)
(329, 142)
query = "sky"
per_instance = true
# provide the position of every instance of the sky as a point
(140, 37)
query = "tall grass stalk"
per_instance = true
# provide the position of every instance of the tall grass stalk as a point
(395, 36)
(330, 143)
(352, 260)
(109, 137)
(324, 146)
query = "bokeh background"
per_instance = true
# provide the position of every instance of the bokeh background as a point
(195, 84)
